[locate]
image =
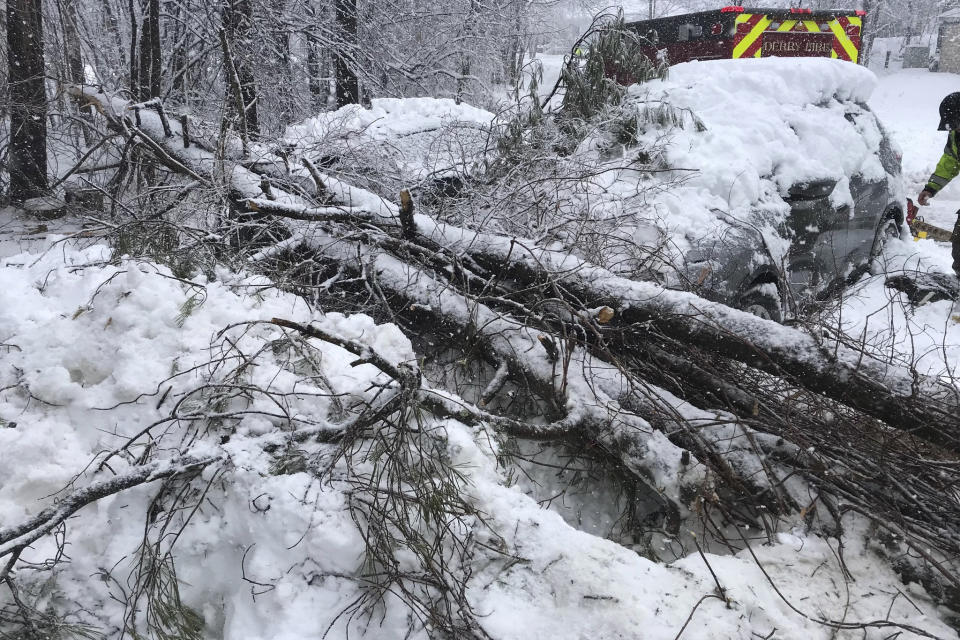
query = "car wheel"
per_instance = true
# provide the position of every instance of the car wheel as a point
(762, 300)
(888, 229)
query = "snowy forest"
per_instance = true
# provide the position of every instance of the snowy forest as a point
(414, 319)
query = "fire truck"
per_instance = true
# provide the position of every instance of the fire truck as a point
(740, 32)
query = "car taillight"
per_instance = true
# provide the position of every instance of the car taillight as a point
(861, 13)
(732, 10)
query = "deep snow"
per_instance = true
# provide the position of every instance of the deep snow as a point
(81, 337)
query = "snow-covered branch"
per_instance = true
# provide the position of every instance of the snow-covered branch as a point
(15, 538)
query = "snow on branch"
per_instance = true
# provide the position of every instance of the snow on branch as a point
(13, 539)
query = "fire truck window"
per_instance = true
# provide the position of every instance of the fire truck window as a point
(689, 31)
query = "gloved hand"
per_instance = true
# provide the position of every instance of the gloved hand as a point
(924, 197)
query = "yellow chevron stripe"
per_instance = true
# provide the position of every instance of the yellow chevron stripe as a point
(856, 21)
(811, 26)
(743, 17)
(844, 40)
(787, 25)
(751, 37)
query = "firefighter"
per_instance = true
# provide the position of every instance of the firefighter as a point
(949, 165)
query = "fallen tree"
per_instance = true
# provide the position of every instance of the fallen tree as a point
(767, 409)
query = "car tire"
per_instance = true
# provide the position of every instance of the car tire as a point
(761, 302)
(888, 229)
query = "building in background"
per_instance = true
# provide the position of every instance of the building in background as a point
(947, 57)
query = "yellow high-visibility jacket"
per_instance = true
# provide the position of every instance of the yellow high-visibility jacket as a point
(948, 167)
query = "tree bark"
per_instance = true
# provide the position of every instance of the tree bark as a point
(237, 24)
(71, 41)
(134, 42)
(150, 54)
(111, 24)
(178, 57)
(313, 72)
(28, 101)
(348, 87)
(318, 92)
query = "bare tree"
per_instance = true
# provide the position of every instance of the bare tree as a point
(348, 87)
(237, 18)
(28, 100)
(150, 53)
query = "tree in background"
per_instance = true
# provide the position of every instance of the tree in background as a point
(148, 75)
(236, 34)
(348, 87)
(28, 101)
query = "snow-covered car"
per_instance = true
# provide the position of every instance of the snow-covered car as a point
(829, 239)
(794, 185)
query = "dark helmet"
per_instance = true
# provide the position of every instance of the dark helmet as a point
(950, 113)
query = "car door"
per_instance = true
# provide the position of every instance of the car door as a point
(870, 198)
(871, 195)
(817, 232)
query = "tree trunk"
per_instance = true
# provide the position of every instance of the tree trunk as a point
(71, 41)
(348, 88)
(237, 24)
(868, 30)
(134, 40)
(466, 57)
(150, 55)
(181, 39)
(314, 68)
(28, 100)
(111, 24)
(74, 55)
(589, 344)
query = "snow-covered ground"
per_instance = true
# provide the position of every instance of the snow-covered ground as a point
(92, 353)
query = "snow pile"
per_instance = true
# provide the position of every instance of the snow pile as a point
(93, 353)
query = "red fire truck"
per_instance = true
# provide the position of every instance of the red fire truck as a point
(740, 32)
